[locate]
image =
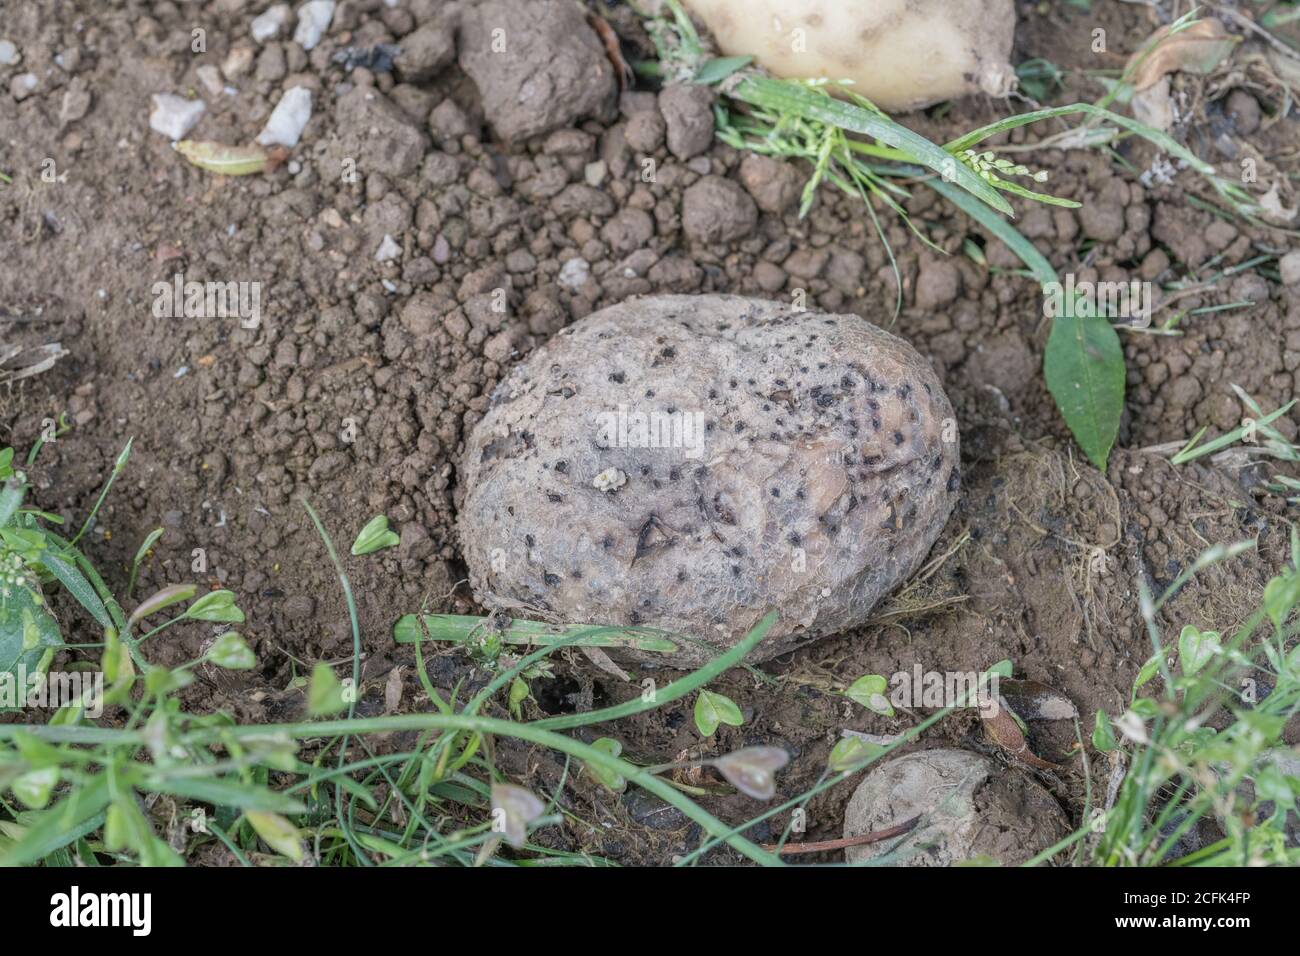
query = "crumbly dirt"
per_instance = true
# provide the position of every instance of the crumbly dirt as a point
(359, 387)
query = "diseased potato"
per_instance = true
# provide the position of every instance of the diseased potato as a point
(900, 54)
(692, 462)
(970, 807)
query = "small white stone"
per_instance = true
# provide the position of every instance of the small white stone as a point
(1289, 267)
(22, 86)
(285, 125)
(574, 274)
(210, 77)
(313, 20)
(174, 116)
(611, 479)
(270, 23)
(388, 250)
(9, 55)
(594, 173)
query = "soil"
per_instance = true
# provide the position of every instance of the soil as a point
(359, 387)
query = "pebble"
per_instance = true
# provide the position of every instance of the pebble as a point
(594, 173)
(76, 103)
(22, 86)
(313, 20)
(285, 125)
(269, 24)
(574, 274)
(9, 55)
(210, 77)
(174, 116)
(388, 250)
(1289, 266)
(237, 62)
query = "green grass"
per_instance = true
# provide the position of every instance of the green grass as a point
(79, 789)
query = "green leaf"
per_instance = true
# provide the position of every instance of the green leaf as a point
(231, 652)
(1103, 735)
(460, 628)
(787, 97)
(164, 597)
(1148, 671)
(216, 606)
(11, 496)
(375, 536)
(325, 694)
(1280, 596)
(518, 694)
(712, 709)
(719, 68)
(277, 832)
(79, 813)
(849, 752)
(224, 792)
(77, 586)
(163, 680)
(150, 540)
(1196, 648)
(609, 779)
(35, 787)
(869, 691)
(1084, 368)
(28, 633)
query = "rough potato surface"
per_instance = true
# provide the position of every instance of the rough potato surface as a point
(970, 807)
(799, 461)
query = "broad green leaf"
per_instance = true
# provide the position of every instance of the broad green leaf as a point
(231, 652)
(216, 606)
(1103, 735)
(1196, 648)
(375, 536)
(712, 709)
(609, 779)
(35, 787)
(1084, 369)
(869, 691)
(1280, 596)
(849, 752)
(77, 586)
(325, 694)
(28, 633)
(278, 833)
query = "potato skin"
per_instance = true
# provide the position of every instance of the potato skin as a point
(901, 54)
(825, 467)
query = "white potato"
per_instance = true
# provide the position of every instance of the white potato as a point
(900, 54)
